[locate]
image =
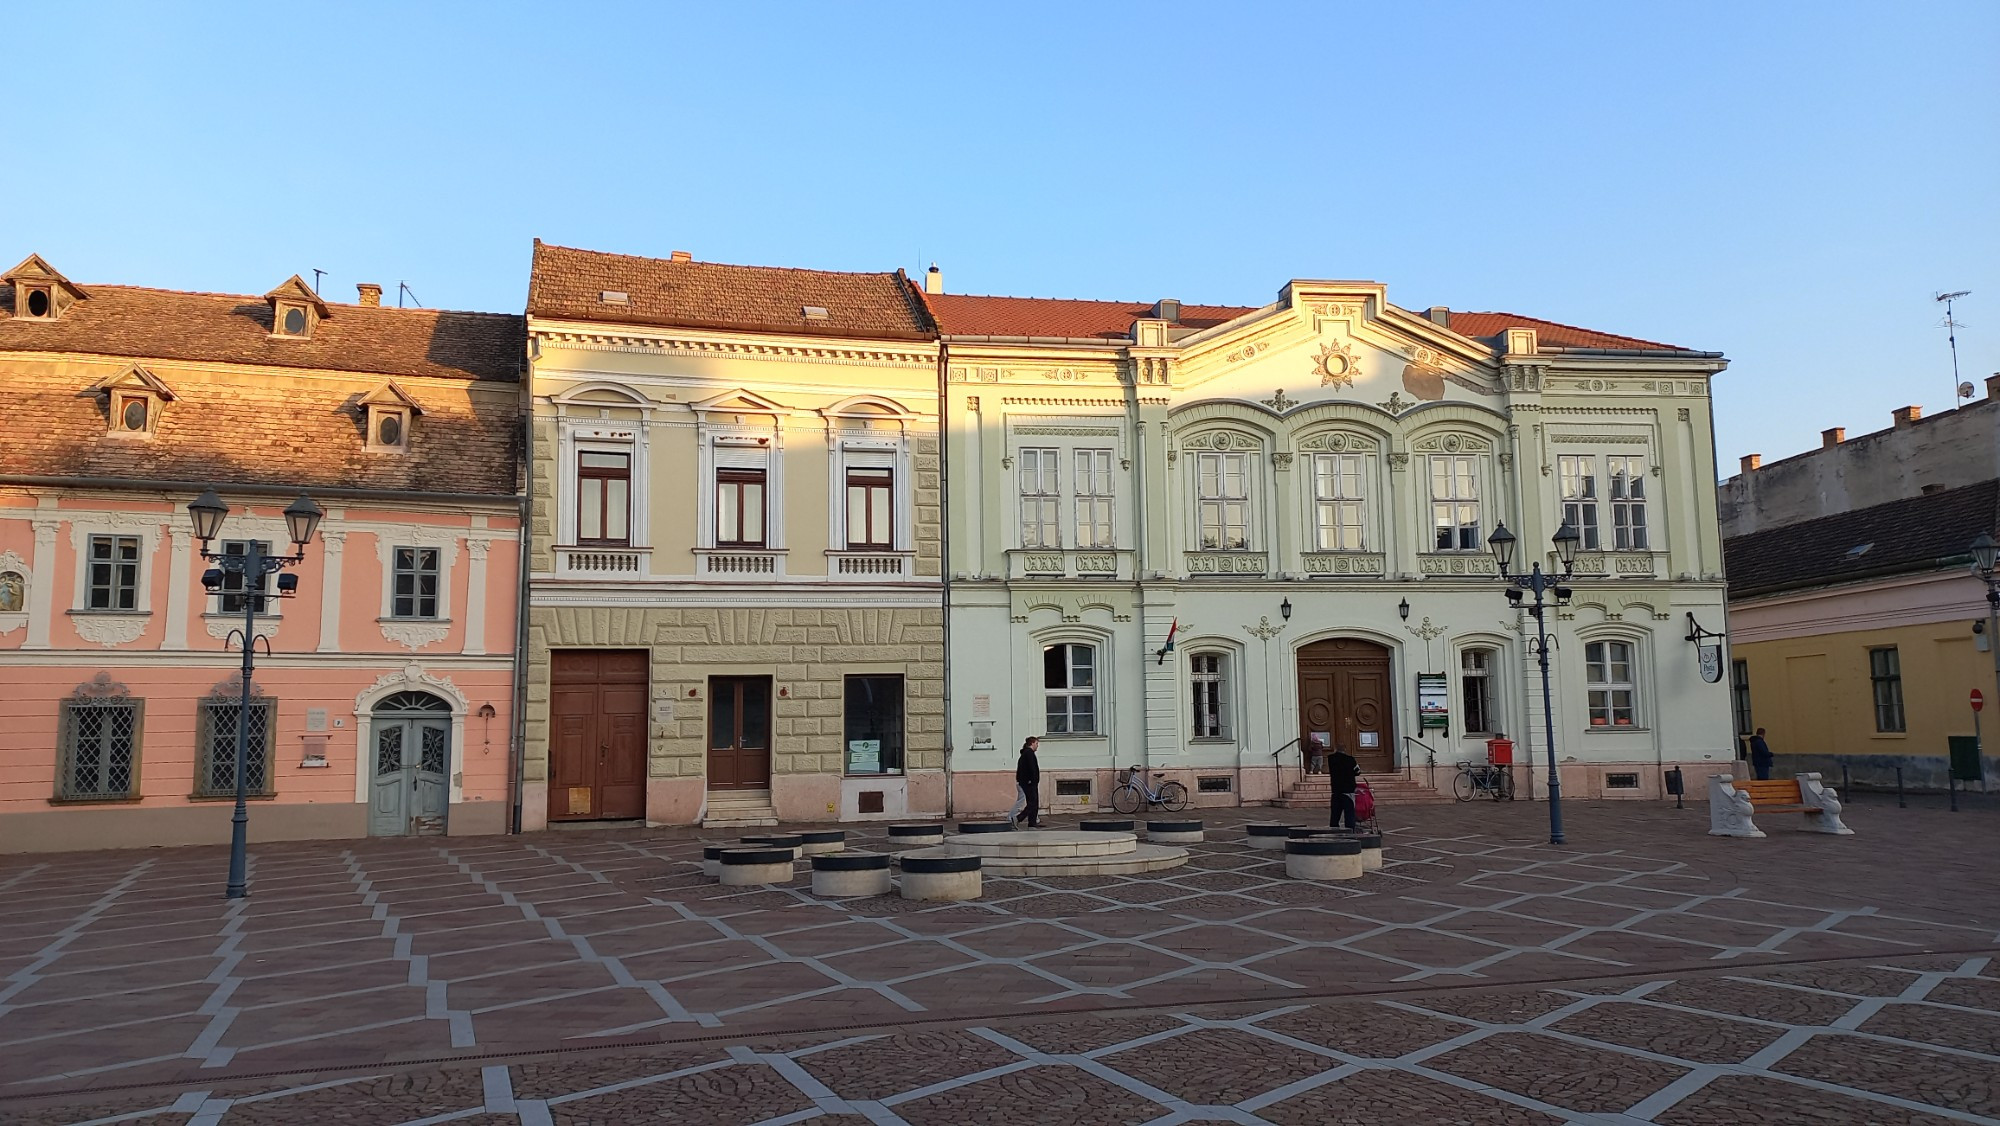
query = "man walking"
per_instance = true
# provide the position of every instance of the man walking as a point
(1345, 774)
(1761, 757)
(1028, 779)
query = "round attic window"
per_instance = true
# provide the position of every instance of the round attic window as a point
(295, 321)
(134, 415)
(389, 431)
(38, 303)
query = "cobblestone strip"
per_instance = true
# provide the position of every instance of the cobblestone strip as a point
(436, 1001)
(217, 1008)
(47, 956)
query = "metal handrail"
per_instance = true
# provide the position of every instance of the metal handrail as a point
(1432, 764)
(1279, 765)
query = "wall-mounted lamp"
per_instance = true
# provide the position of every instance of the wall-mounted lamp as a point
(486, 711)
(1403, 609)
(1285, 609)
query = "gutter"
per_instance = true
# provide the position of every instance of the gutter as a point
(518, 752)
(944, 556)
(1887, 570)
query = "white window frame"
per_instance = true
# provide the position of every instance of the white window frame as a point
(447, 545)
(1625, 486)
(854, 452)
(82, 527)
(1461, 468)
(1210, 684)
(1487, 677)
(1338, 468)
(1581, 497)
(272, 607)
(757, 448)
(417, 572)
(1599, 677)
(1095, 508)
(1040, 508)
(1071, 691)
(575, 437)
(1213, 506)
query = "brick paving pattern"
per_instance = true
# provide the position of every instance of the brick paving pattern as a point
(1643, 973)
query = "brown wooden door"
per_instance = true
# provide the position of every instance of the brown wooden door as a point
(597, 735)
(1347, 699)
(739, 732)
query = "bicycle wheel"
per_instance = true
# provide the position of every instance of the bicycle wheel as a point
(1462, 787)
(1174, 796)
(1503, 784)
(1126, 799)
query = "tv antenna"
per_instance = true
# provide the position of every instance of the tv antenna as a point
(1951, 326)
(317, 274)
(404, 287)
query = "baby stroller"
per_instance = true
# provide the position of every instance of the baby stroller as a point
(1364, 805)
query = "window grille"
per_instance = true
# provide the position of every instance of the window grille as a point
(99, 749)
(215, 749)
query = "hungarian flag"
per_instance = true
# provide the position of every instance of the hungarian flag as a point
(1169, 647)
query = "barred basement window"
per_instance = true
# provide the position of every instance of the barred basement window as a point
(99, 750)
(1213, 784)
(1072, 787)
(215, 748)
(1621, 781)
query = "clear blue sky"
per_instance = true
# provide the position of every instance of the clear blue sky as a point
(1786, 183)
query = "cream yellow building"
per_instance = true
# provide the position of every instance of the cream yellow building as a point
(735, 590)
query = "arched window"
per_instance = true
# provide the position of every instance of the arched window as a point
(411, 702)
(1612, 677)
(1208, 681)
(1476, 667)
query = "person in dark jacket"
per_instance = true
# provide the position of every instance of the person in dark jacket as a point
(1028, 779)
(1345, 773)
(1761, 757)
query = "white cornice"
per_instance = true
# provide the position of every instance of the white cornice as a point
(585, 336)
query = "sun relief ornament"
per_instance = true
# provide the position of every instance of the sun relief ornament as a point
(1336, 365)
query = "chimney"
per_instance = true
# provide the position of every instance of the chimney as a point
(1832, 437)
(680, 256)
(1167, 309)
(1439, 316)
(1904, 416)
(371, 295)
(1752, 461)
(1993, 386)
(934, 279)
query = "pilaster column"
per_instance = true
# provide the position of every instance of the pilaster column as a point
(475, 596)
(41, 603)
(331, 545)
(177, 589)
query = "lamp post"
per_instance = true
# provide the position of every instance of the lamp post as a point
(301, 519)
(1541, 586)
(1984, 556)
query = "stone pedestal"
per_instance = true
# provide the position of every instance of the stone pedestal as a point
(744, 867)
(792, 841)
(915, 836)
(850, 873)
(820, 842)
(1267, 834)
(941, 878)
(1325, 858)
(1174, 832)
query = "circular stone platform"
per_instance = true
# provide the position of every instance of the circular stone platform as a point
(1055, 852)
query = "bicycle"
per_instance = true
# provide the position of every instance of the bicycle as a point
(1496, 782)
(1133, 792)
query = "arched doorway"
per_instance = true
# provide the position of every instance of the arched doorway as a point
(412, 766)
(1347, 701)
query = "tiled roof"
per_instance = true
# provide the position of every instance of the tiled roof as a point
(959, 314)
(570, 284)
(1485, 326)
(161, 324)
(1912, 534)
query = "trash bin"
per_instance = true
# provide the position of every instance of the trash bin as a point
(1500, 752)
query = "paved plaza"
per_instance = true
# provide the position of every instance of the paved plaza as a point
(1643, 973)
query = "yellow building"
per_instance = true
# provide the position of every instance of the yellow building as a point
(1857, 639)
(736, 601)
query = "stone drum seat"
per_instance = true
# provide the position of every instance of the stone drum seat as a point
(842, 874)
(711, 859)
(1323, 858)
(1268, 834)
(1106, 826)
(1174, 832)
(746, 867)
(915, 836)
(819, 842)
(941, 874)
(792, 841)
(1371, 851)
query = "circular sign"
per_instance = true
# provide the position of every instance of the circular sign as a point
(1978, 701)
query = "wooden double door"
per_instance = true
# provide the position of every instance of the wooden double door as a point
(597, 735)
(739, 732)
(1346, 701)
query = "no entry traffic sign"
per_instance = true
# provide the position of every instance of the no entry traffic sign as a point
(1978, 701)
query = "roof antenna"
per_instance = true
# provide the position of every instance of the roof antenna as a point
(401, 289)
(317, 274)
(1951, 327)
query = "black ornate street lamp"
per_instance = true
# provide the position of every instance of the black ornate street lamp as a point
(1539, 584)
(1984, 556)
(301, 520)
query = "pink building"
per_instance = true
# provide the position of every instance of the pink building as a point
(385, 705)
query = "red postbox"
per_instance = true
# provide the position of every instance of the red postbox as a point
(1500, 752)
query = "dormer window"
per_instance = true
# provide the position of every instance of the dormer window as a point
(40, 293)
(295, 310)
(134, 399)
(387, 412)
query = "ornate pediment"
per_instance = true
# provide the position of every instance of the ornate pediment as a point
(739, 401)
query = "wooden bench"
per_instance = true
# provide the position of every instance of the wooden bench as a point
(1731, 802)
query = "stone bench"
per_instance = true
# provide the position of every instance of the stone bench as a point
(949, 877)
(1731, 801)
(915, 836)
(1323, 858)
(711, 860)
(837, 874)
(1371, 851)
(1174, 832)
(1267, 834)
(792, 841)
(743, 867)
(819, 842)
(985, 826)
(1106, 825)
